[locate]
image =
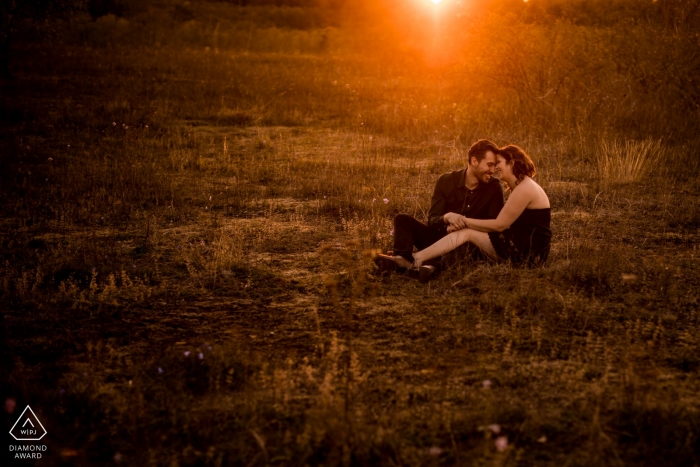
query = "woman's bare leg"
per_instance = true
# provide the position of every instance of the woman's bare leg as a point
(452, 241)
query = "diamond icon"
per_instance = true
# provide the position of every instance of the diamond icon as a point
(28, 427)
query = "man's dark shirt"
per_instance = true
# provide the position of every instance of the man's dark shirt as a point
(451, 195)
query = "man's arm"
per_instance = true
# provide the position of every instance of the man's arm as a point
(438, 204)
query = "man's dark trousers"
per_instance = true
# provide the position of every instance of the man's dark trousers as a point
(409, 231)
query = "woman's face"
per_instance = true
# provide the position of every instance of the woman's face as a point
(502, 167)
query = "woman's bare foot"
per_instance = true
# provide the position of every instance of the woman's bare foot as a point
(417, 261)
(389, 263)
(401, 261)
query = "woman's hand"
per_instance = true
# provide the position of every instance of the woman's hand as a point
(455, 221)
(459, 224)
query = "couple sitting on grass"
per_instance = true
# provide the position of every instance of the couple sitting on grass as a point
(467, 208)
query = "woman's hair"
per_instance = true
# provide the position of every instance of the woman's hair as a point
(521, 162)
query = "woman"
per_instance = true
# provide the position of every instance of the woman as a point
(521, 231)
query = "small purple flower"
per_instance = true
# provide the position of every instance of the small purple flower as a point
(486, 384)
(160, 370)
(187, 353)
(386, 200)
(201, 356)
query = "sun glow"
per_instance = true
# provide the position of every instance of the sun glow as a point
(436, 1)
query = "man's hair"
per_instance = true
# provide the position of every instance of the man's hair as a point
(480, 148)
(521, 162)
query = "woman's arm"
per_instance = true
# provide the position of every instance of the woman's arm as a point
(518, 200)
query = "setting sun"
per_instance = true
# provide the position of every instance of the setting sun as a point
(436, 1)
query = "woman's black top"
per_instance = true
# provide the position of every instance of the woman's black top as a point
(527, 241)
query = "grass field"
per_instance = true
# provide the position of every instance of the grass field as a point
(187, 230)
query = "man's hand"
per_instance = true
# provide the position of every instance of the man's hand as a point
(455, 221)
(451, 229)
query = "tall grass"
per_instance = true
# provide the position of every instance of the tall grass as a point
(627, 162)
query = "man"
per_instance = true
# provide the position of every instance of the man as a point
(470, 192)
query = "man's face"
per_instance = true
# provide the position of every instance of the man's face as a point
(484, 169)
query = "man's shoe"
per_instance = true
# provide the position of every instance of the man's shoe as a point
(426, 273)
(387, 264)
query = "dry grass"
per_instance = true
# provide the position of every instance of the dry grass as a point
(191, 284)
(627, 162)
